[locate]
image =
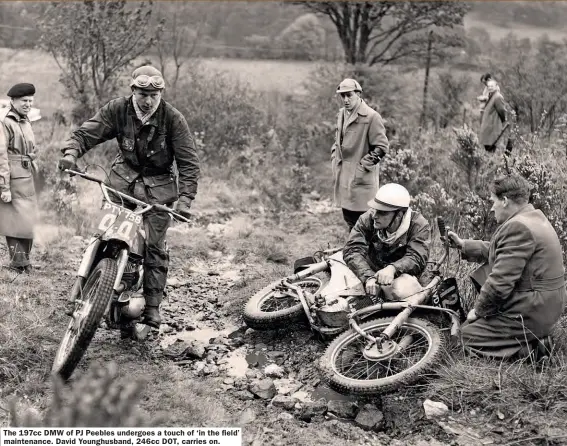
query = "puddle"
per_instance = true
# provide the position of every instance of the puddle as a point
(202, 335)
(237, 365)
(329, 394)
(256, 359)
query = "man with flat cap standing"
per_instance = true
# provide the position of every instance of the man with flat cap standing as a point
(151, 135)
(18, 204)
(360, 144)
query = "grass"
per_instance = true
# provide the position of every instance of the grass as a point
(233, 222)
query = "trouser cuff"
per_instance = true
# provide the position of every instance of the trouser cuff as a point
(153, 301)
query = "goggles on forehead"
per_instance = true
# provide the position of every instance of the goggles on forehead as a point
(144, 81)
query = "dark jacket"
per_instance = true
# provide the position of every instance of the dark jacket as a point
(526, 272)
(365, 254)
(147, 152)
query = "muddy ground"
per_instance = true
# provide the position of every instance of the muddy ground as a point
(266, 382)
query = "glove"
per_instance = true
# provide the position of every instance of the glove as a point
(184, 206)
(67, 162)
(6, 196)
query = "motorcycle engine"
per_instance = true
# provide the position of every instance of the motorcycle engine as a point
(334, 312)
(134, 307)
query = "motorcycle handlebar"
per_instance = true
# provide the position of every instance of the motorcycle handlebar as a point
(159, 207)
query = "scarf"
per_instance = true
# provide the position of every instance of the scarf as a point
(350, 116)
(390, 238)
(144, 117)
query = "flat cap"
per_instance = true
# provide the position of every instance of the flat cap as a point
(348, 85)
(19, 90)
(147, 77)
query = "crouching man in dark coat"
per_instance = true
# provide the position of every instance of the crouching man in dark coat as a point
(521, 282)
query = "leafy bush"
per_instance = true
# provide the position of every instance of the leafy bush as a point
(99, 398)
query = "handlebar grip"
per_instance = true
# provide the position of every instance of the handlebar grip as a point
(442, 227)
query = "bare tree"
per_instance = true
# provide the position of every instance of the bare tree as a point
(177, 40)
(93, 42)
(376, 32)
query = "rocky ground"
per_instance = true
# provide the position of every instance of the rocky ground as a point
(267, 382)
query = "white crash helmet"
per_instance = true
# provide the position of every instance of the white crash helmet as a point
(391, 197)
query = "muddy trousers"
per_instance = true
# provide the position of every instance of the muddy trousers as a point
(156, 259)
(351, 217)
(19, 251)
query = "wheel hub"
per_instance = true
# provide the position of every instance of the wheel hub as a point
(378, 351)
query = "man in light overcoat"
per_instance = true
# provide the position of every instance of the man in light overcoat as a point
(360, 144)
(18, 204)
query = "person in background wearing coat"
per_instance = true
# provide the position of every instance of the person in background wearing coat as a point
(389, 242)
(521, 283)
(18, 203)
(493, 117)
(360, 144)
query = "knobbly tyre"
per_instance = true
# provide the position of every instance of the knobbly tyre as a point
(377, 356)
(111, 271)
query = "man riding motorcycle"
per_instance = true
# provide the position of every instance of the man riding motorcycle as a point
(388, 247)
(151, 135)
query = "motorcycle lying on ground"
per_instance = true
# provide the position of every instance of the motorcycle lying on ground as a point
(377, 356)
(111, 271)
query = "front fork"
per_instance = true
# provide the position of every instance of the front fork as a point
(84, 268)
(313, 269)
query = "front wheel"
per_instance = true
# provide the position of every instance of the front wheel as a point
(351, 366)
(276, 306)
(96, 294)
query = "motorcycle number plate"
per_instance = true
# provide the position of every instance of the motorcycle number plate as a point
(118, 222)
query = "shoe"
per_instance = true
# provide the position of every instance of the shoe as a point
(151, 317)
(543, 348)
(28, 269)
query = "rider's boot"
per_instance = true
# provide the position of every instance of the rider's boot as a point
(151, 314)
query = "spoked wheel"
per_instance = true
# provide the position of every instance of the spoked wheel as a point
(350, 365)
(275, 306)
(89, 311)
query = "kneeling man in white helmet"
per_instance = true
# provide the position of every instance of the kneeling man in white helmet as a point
(389, 243)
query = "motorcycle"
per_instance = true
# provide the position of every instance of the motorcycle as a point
(372, 357)
(110, 273)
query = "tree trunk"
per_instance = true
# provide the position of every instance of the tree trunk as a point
(426, 80)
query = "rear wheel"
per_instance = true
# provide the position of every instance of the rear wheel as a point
(350, 367)
(275, 306)
(88, 313)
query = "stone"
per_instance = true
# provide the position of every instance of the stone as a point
(247, 416)
(301, 395)
(370, 418)
(194, 350)
(343, 409)
(285, 416)
(263, 388)
(244, 395)
(312, 408)
(434, 409)
(274, 371)
(199, 367)
(283, 401)
(287, 386)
